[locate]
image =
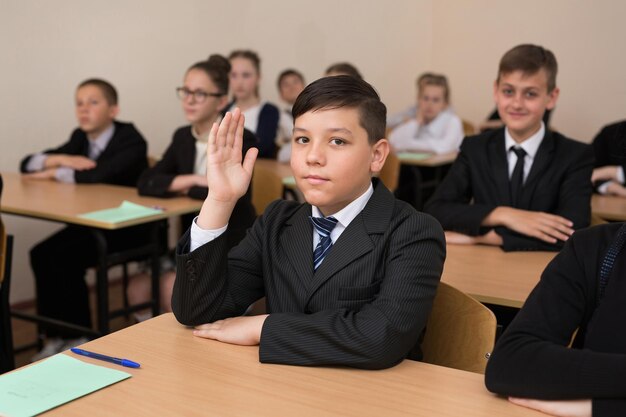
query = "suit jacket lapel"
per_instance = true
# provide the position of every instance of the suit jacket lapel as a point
(297, 239)
(542, 161)
(500, 166)
(356, 240)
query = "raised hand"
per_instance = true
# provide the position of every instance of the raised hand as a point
(227, 178)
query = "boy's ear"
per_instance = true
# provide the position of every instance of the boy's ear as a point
(380, 150)
(553, 96)
(113, 111)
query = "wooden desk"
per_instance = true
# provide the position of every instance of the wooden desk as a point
(186, 376)
(432, 161)
(50, 200)
(493, 276)
(608, 207)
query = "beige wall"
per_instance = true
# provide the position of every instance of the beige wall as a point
(145, 46)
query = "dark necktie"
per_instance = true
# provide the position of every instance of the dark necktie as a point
(517, 178)
(323, 226)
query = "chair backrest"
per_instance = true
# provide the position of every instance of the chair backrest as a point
(468, 128)
(391, 171)
(267, 186)
(460, 333)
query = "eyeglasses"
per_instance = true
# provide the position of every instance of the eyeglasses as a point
(198, 95)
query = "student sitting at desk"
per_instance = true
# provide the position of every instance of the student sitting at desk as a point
(521, 187)
(100, 150)
(290, 85)
(581, 293)
(261, 116)
(349, 277)
(435, 128)
(182, 170)
(608, 145)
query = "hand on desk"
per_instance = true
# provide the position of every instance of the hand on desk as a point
(46, 174)
(544, 226)
(565, 408)
(242, 330)
(76, 162)
(617, 189)
(605, 173)
(183, 183)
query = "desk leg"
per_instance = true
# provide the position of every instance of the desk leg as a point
(102, 282)
(156, 268)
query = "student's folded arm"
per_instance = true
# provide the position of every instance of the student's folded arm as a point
(451, 203)
(576, 190)
(384, 330)
(128, 158)
(155, 181)
(212, 283)
(71, 147)
(532, 360)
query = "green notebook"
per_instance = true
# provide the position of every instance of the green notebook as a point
(126, 211)
(413, 156)
(51, 383)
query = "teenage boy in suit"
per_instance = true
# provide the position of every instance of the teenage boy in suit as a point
(349, 276)
(100, 150)
(533, 201)
(608, 145)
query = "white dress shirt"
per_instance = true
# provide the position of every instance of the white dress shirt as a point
(530, 145)
(442, 135)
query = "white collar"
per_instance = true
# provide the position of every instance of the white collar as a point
(349, 212)
(530, 145)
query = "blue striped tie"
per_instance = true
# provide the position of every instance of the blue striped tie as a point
(323, 225)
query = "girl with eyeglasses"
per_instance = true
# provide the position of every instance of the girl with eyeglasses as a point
(182, 170)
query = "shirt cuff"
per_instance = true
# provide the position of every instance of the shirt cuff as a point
(65, 174)
(201, 237)
(620, 175)
(36, 162)
(603, 188)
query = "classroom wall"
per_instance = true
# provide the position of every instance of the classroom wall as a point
(469, 37)
(144, 48)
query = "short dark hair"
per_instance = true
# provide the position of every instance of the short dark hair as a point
(289, 72)
(249, 55)
(217, 68)
(108, 91)
(344, 68)
(529, 59)
(345, 91)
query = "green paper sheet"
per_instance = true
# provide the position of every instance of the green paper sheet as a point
(126, 211)
(289, 181)
(414, 156)
(53, 382)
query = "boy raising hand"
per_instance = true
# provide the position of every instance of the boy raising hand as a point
(349, 276)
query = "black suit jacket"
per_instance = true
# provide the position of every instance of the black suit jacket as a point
(121, 162)
(609, 146)
(365, 306)
(179, 159)
(478, 182)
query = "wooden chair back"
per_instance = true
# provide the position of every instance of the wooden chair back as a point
(391, 171)
(267, 186)
(460, 333)
(468, 128)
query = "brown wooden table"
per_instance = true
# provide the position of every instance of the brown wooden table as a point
(493, 276)
(59, 202)
(182, 375)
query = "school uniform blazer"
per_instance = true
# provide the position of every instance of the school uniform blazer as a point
(365, 306)
(559, 182)
(609, 146)
(179, 159)
(121, 162)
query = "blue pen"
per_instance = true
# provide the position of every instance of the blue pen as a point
(118, 361)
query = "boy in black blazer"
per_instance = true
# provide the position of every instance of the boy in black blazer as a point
(521, 187)
(608, 175)
(356, 294)
(100, 150)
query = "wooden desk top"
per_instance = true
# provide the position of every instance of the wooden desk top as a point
(186, 376)
(493, 276)
(432, 161)
(609, 207)
(51, 200)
